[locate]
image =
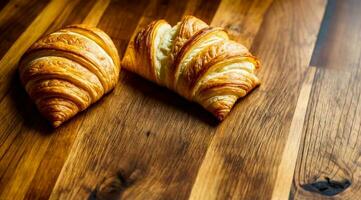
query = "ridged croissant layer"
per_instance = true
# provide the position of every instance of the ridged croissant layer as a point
(66, 71)
(199, 62)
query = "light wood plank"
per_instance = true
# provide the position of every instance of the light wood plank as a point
(287, 165)
(94, 16)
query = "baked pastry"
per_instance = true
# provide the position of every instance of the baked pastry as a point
(66, 71)
(199, 62)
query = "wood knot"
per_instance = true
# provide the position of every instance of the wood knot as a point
(113, 187)
(327, 187)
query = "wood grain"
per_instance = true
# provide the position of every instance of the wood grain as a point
(145, 142)
(328, 165)
(329, 157)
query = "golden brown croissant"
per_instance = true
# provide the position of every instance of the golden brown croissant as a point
(66, 71)
(199, 62)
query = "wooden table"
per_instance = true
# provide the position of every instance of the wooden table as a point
(295, 136)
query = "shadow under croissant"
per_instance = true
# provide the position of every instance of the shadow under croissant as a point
(168, 97)
(34, 120)
(22, 103)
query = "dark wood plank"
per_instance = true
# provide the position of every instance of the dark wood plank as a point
(244, 156)
(328, 165)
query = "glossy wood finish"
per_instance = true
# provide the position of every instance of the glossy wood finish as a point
(145, 142)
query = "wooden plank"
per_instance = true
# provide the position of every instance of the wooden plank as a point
(328, 165)
(155, 153)
(246, 151)
(202, 9)
(31, 153)
(14, 18)
(329, 160)
(241, 18)
(75, 13)
(96, 13)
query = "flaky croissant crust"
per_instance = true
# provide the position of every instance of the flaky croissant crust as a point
(199, 62)
(66, 71)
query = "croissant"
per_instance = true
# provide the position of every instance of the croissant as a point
(66, 71)
(198, 62)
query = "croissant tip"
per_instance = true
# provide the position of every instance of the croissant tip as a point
(222, 114)
(56, 124)
(221, 117)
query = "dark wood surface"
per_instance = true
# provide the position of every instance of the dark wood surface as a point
(296, 136)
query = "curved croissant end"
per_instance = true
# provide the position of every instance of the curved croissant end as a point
(197, 61)
(66, 71)
(200, 63)
(225, 81)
